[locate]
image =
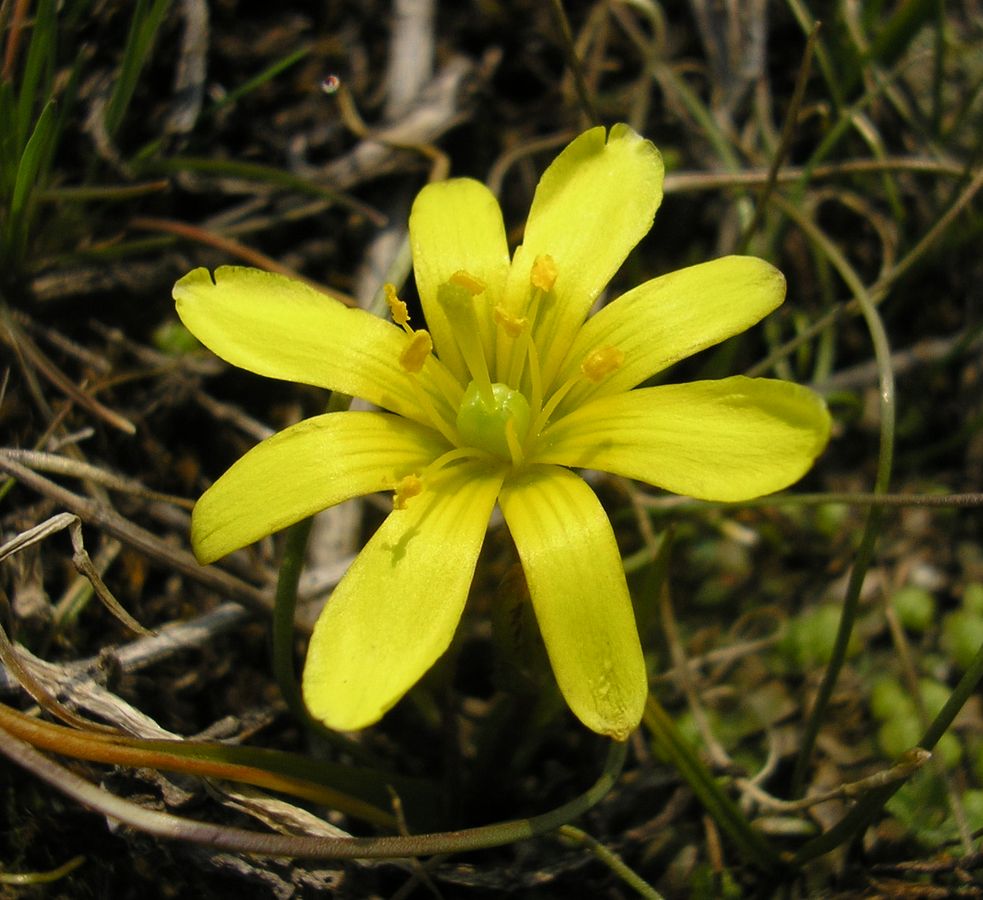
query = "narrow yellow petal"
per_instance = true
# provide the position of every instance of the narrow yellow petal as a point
(396, 610)
(456, 226)
(593, 204)
(578, 591)
(306, 468)
(672, 317)
(731, 440)
(281, 328)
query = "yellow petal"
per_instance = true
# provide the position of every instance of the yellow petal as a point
(456, 226)
(672, 317)
(730, 440)
(281, 328)
(577, 585)
(396, 610)
(306, 468)
(592, 205)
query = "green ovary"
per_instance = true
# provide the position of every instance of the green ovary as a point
(482, 424)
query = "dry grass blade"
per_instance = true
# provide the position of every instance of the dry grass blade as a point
(31, 355)
(139, 538)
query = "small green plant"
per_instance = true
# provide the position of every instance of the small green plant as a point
(38, 101)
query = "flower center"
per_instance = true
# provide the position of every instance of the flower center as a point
(502, 418)
(498, 424)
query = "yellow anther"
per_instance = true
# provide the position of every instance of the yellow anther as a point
(600, 363)
(469, 282)
(397, 308)
(406, 488)
(512, 325)
(416, 352)
(543, 274)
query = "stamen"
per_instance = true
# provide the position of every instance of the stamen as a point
(542, 278)
(596, 366)
(600, 363)
(407, 487)
(416, 352)
(512, 325)
(413, 359)
(551, 405)
(445, 459)
(410, 486)
(469, 282)
(397, 308)
(535, 374)
(543, 273)
(435, 418)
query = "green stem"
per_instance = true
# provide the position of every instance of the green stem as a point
(284, 609)
(671, 744)
(611, 859)
(851, 604)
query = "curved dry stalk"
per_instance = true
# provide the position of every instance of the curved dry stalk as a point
(240, 840)
(189, 757)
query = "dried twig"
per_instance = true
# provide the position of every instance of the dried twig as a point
(140, 539)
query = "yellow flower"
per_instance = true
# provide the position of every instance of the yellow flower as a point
(510, 389)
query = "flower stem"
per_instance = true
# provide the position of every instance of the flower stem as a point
(284, 608)
(209, 834)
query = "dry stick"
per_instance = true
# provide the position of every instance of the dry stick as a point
(82, 692)
(923, 352)
(716, 751)
(440, 161)
(94, 360)
(411, 52)
(681, 182)
(133, 535)
(42, 696)
(136, 655)
(897, 773)
(856, 499)
(80, 559)
(437, 111)
(15, 337)
(234, 248)
(74, 468)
